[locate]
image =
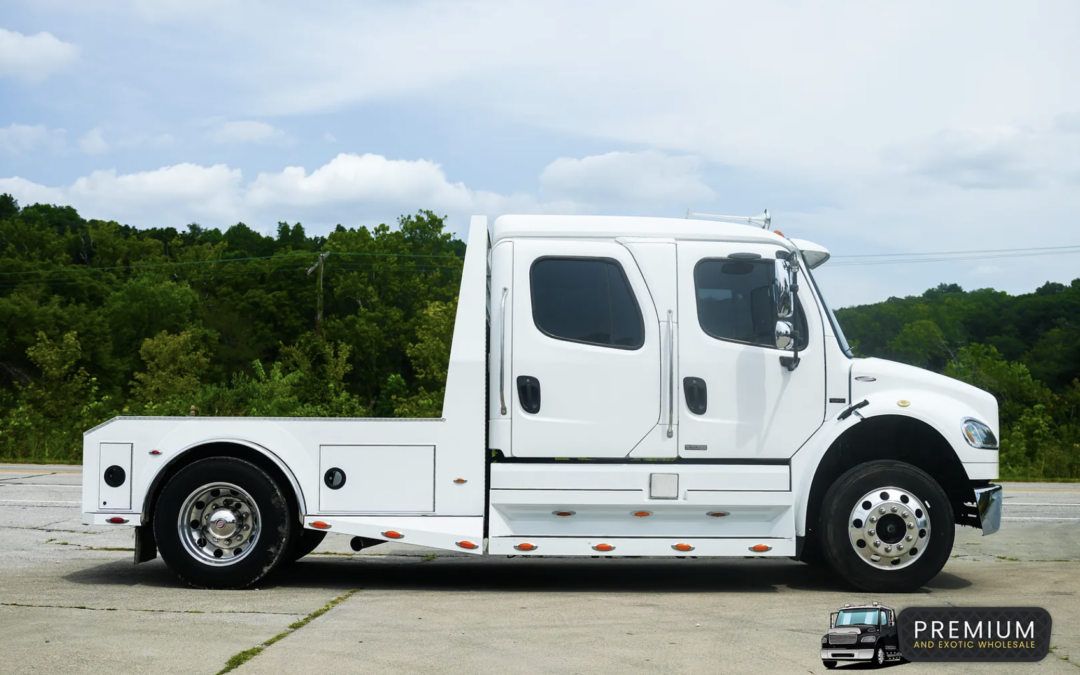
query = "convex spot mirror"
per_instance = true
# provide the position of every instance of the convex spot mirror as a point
(784, 335)
(785, 303)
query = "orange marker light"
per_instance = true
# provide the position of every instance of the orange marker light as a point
(525, 547)
(390, 534)
(683, 547)
(760, 548)
(318, 524)
(460, 481)
(466, 544)
(563, 514)
(642, 514)
(778, 232)
(603, 547)
(716, 514)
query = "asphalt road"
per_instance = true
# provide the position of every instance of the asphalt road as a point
(72, 602)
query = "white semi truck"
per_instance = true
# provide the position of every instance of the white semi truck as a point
(617, 387)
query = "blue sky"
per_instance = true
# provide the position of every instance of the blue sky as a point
(870, 128)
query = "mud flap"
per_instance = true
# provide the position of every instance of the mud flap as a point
(145, 544)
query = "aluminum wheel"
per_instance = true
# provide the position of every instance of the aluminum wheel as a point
(889, 528)
(219, 524)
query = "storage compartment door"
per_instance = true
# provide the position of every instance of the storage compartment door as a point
(114, 483)
(377, 479)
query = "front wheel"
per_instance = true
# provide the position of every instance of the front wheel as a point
(829, 665)
(887, 527)
(879, 657)
(223, 522)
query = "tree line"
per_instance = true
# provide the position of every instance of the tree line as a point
(101, 319)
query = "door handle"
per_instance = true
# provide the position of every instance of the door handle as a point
(697, 395)
(529, 393)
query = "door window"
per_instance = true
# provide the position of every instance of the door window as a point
(735, 301)
(586, 300)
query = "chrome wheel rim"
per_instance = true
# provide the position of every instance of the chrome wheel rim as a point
(880, 656)
(889, 528)
(219, 524)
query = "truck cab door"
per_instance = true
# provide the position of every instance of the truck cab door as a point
(739, 400)
(585, 372)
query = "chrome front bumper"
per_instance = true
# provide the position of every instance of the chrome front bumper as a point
(989, 500)
(839, 654)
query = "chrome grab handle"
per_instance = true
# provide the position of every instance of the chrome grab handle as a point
(671, 375)
(502, 352)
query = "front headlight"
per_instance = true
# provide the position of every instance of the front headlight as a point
(978, 435)
(868, 638)
(824, 639)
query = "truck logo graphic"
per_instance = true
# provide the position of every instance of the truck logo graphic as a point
(865, 633)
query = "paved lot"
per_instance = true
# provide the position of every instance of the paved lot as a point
(72, 602)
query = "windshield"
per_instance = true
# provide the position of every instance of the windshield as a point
(854, 616)
(844, 346)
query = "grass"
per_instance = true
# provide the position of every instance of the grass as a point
(237, 660)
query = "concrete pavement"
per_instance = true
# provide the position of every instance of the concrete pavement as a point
(71, 601)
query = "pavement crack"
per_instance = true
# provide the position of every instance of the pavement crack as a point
(137, 609)
(237, 660)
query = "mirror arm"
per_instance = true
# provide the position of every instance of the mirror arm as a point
(792, 362)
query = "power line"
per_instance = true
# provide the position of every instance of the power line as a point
(82, 269)
(989, 250)
(858, 263)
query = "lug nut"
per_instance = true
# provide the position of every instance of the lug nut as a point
(873, 519)
(894, 509)
(899, 547)
(881, 510)
(908, 537)
(870, 532)
(877, 543)
(911, 526)
(888, 548)
(905, 514)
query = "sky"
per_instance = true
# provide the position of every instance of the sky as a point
(870, 128)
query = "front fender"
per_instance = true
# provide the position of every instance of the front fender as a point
(940, 412)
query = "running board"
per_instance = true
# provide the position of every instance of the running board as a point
(642, 546)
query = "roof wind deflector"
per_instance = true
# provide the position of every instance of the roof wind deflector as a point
(745, 256)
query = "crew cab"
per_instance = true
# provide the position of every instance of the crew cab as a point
(618, 387)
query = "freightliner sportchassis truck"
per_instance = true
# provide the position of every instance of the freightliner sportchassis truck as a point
(617, 387)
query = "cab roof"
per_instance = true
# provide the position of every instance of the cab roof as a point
(610, 227)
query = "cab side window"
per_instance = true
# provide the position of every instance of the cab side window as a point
(735, 301)
(587, 300)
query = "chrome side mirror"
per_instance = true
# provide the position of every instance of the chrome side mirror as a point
(784, 335)
(785, 305)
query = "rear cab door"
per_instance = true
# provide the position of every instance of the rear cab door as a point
(586, 352)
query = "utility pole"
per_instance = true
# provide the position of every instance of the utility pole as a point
(319, 264)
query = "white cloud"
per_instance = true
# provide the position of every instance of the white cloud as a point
(348, 189)
(93, 143)
(19, 138)
(648, 177)
(244, 131)
(33, 57)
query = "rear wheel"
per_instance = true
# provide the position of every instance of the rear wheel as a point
(222, 522)
(887, 527)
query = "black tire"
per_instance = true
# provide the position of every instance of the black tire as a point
(829, 665)
(306, 542)
(276, 528)
(846, 492)
(879, 657)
